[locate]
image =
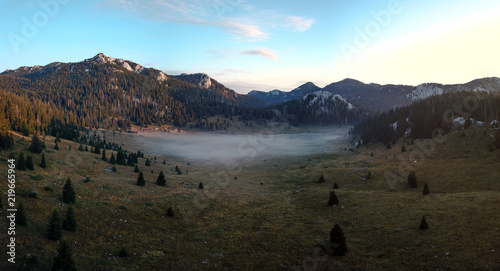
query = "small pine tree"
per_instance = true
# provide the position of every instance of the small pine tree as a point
(21, 215)
(403, 149)
(148, 163)
(29, 162)
(36, 144)
(423, 224)
(426, 189)
(334, 200)
(335, 186)
(64, 259)
(97, 149)
(136, 169)
(80, 148)
(170, 212)
(69, 222)
(112, 159)
(56, 147)
(338, 241)
(200, 186)
(123, 253)
(140, 180)
(103, 158)
(1, 203)
(21, 163)
(321, 179)
(412, 179)
(161, 179)
(43, 163)
(86, 148)
(68, 193)
(54, 229)
(164, 162)
(113, 169)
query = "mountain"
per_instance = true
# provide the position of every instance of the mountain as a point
(379, 98)
(103, 91)
(277, 96)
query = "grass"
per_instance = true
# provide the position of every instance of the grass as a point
(243, 225)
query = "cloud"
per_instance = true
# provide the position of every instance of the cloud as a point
(298, 23)
(254, 26)
(261, 52)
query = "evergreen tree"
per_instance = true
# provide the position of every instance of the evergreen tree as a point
(56, 147)
(423, 224)
(114, 169)
(148, 163)
(136, 169)
(200, 186)
(86, 148)
(1, 203)
(54, 229)
(161, 179)
(334, 200)
(170, 212)
(21, 216)
(68, 193)
(164, 162)
(412, 179)
(338, 241)
(120, 158)
(80, 148)
(112, 159)
(123, 253)
(29, 162)
(64, 259)
(43, 163)
(97, 149)
(140, 180)
(426, 189)
(403, 148)
(321, 179)
(335, 186)
(21, 163)
(69, 222)
(36, 144)
(103, 158)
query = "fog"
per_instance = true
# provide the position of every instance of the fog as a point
(218, 147)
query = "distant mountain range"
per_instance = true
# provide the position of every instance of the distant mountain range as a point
(107, 92)
(375, 97)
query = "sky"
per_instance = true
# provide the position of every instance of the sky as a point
(263, 45)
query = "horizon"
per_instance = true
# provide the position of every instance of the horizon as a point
(264, 46)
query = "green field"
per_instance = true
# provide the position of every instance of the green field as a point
(273, 214)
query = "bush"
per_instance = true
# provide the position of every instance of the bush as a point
(170, 212)
(123, 253)
(412, 179)
(321, 179)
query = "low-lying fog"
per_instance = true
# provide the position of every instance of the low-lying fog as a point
(210, 146)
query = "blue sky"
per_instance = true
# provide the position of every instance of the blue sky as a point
(263, 45)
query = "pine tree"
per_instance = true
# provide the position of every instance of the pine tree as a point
(335, 186)
(148, 163)
(103, 158)
(29, 162)
(64, 259)
(321, 179)
(161, 179)
(426, 189)
(164, 162)
(403, 149)
(43, 163)
(21, 163)
(123, 253)
(54, 229)
(1, 203)
(412, 179)
(112, 159)
(113, 169)
(423, 224)
(200, 186)
(80, 148)
(97, 149)
(21, 216)
(170, 212)
(136, 169)
(68, 193)
(36, 144)
(86, 148)
(120, 158)
(338, 241)
(334, 200)
(69, 222)
(56, 147)
(140, 180)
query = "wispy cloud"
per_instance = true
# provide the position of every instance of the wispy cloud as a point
(261, 52)
(225, 14)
